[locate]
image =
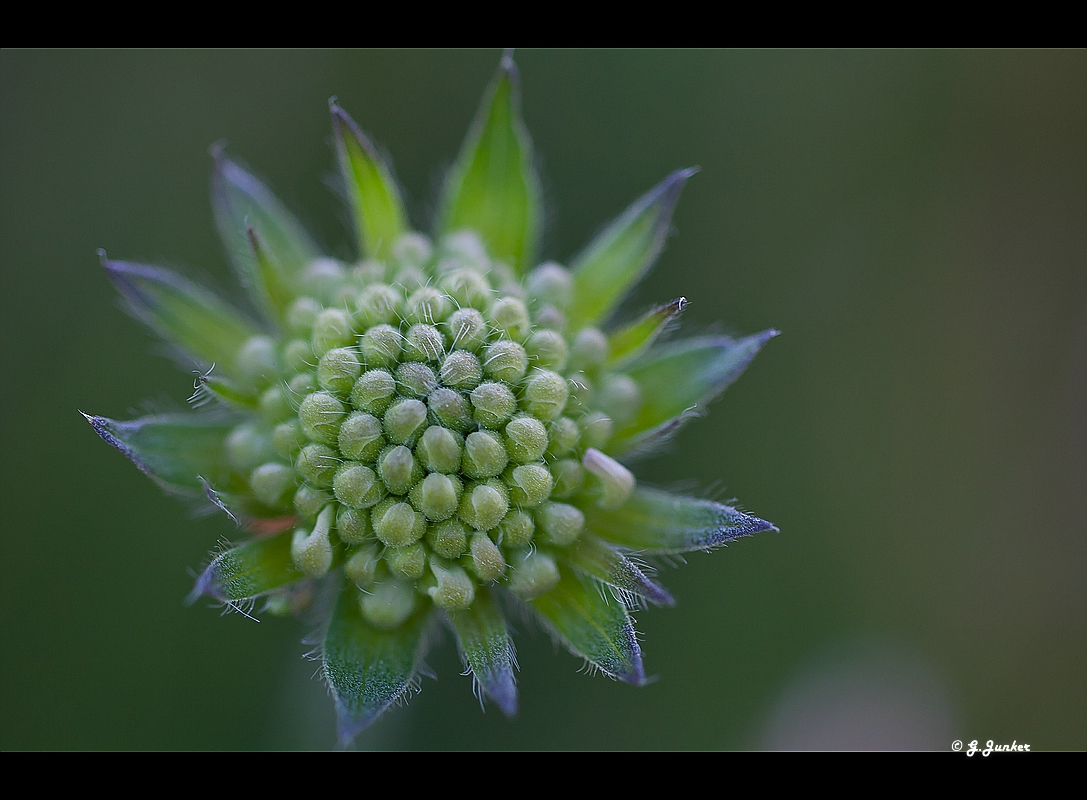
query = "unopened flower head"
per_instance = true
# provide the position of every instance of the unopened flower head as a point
(437, 431)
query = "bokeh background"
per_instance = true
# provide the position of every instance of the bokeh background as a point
(914, 222)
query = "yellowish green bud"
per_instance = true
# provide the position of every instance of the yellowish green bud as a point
(569, 478)
(526, 440)
(560, 523)
(620, 398)
(532, 574)
(395, 523)
(357, 486)
(484, 455)
(404, 420)
(311, 551)
(547, 349)
(377, 305)
(562, 436)
(288, 439)
(428, 305)
(321, 415)
(415, 379)
(461, 370)
(423, 343)
(353, 525)
(549, 284)
(596, 429)
(515, 530)
(274, 405)
(448, 539)
(361, 567)
(589, 349)
(257, 358)
(408, 561)
(467, 330)
(302, 315)
(317, 463)
(298, 356)
(545, 395)
(436, 496)
(308, 501)
(373, 391)
(332, 328)
(412, 248)
(388, 604)
(509, 316)
(248, 446)
(439, 449)
(451, 409)
(398, 469)
(493, 404)
(529, 484)
(483, 505)
(380, 346)
(467, 288)
(454, 590)
(272, 483)
(337, 371)
(361, 437)
(505, 360)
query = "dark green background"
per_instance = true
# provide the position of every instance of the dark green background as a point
(914, 222)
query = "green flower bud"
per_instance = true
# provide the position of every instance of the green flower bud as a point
(257, 358)
(398, 469)
(467, 247)
(489, 563)
(353, 525)
(620, 398)
(298, 356)
(274, 405)
(423, 343)
(332, 328)
(526, 440)
(367, 272)
(380, 346)
(317, 463)
(322, 277)
(361, 437)
(396, 523)
(436, 496)
(562, 436)
(299, 386)
(616, 481)
(302, 315)
(581, 392)
(388, 605)
(546, 349)
(448, 539)
(248, 446)
(439, 449)
(596, 429)
(361, 567)
(515, 529)
(550, 318)
(311, 551)
(426, 305)
(272, 483)
(569, 478)
(404, 420)
(551, 284)
(321, 415)
(466, 328)
(560, 523)
(377, 305)
(461, 370)
(505, 361)
(467, 288)
(308, 501)
(407, 562)
(450, 409)
(545, 395)
(589, 350)
(373, 391)
(509, 316)
(410, 278)
(412, 249)
(484, 455)
(483, 505)
(532, 574)
(337, 371)
(493, 404)
(415, 379)
(288, 439)
(455, 590)
(357, 486)
(529, 484)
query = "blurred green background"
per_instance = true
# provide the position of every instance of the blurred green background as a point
(914, 222)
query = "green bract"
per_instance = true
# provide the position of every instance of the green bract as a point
(438, 428)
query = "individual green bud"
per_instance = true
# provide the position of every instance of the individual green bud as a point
(309, 500)
(257, 358)
(455, 590)
(596, 429)
(505, 361)
(373, 391)
(388, 604)
(288, 439)
(396, 523)
(298, 356)
(353, 525)
(398, 469)
(515, 529)
(493, 404)
(620, 398)
(311, 551)
(317, 463)
(404, 420)
(357, 486)
(467, 288)
(545, 395)
(581, 392)
(461, 370)
(346, 297)
(300, 386)
(332, 328)
(562, 436)
(436, 496)
(439, 449)
(560, 523)
(550, 318)
(526, 440)
(529, 484)
(410, 278)
(338, 370)
(448, 539)
(321, 415)
(377, 304)
(407, 562)
(248, 446)
(616, 482)
(450, 409)
(361, 567)
(272, 483)
(380, 346)
(361, 437)
(569, 477)
(367, 272)
(302, 315)
(428, 305)
(509, 316)
(423, 343)
(489, 563)
(466, 246)
(589, 349)
(412, 249)
(415, 379)
(551, 284)
(532, 574)
(467, 330)
(274, 405)
(483, 505)
(506, 281)
(484, 455)
(322, 277)
(546, 349)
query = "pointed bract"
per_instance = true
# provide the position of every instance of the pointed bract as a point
(592, 627)
(616, 260)
(379, 214)
(270, 285)
(600, 560)
(655, 521)
(248, 571)
(678, 380)
(493, 187)
(487, 650)
(630, 341)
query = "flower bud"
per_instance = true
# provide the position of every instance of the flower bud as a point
(455, 590)
(274, 405)
(532, 574)
(353, 525)
(489, 563)
(380, 346)
(322, 277)
(377, 305)
(367, 272)
(529, 484)
(415, 379)
(515, 529)
(398, 469)
(396, 523)
(308, 501)
(299, 386)
(589, 350)
(321, 414)
(560, 523)
(505, 361)
(616, 481)
(450, 409)
(408, 561)
(484, 455)
(423, 343)
(317, 463)
(436, 496)
(549, 283)
(257, 358)
(467, 330)
(373, 391)
(332, 328)
(288, 439)
(545, 395)
(467, 288)
(361, 437)
(272, 483)
(361, 567)
(311, 551)
(410, 278)
(493, 404)
(569, 477)
(526, 440)
(483, 505)
(412, 249)
(461, 370)
(550, 318)
(298, 356)
(302, 314)
(562, 436)
(248, 446)
(439, 449)
(509, 316)
(448, 539)
(337, 371)
(428, 305)
(388, 605)
(356, 485)
(596, 429)
(546, 349)
(404, 420)
(620, 398)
